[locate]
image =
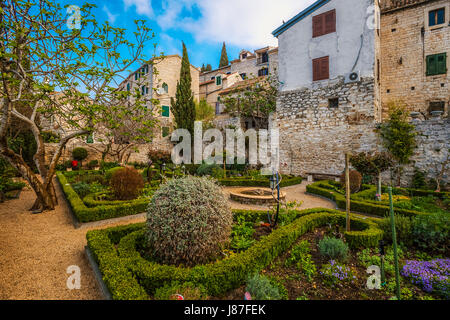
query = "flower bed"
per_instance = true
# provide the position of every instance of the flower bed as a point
(130, 276)
(102, 210)
(361, 203)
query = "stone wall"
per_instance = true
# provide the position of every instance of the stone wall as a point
(315, 137)
(406, 40)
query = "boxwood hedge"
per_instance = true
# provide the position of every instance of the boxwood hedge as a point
(248, 182)
(100, 212)
(358, 204)
(129, 276)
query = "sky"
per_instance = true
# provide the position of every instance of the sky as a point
(202, 24)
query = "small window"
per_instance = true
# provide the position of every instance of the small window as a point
(128, 87)
(144, 90)
(165, 131)
(436, 17)
(165, 87)
(265, 57)
(333, 103)
(165, 111)
(321, 69)
(212, 78)
(218, 80)
(324, 23)
(436, 64)
(437, 106)
(263, 72)
(243, 76)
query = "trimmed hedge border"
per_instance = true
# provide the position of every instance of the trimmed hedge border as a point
(129, 276)
(84, 214)
(325, 189)
(246, 182)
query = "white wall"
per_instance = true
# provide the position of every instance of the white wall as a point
(297, 47)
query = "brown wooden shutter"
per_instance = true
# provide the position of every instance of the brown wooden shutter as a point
(321, 68)
(318, 26)
(330, 22)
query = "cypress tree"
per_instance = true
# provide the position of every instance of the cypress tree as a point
(208, 67)
(224, 57)
(183, 106)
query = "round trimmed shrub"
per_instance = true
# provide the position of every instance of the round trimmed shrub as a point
(355, 181)
(79, 154)
(188, 222)
(333, 248)
(126, 183)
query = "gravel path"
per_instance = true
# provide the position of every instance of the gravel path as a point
(35, 250)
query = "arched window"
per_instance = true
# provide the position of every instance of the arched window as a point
(165, 88)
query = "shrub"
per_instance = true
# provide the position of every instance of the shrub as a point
(94, 178)
(126, 183)
(79, 154)
(93, 164)
(333, 248)
(355, 181)
(159, 157)
(188, 221)
(368, 257)
(82, 189)
(108, 165)
(301, 257)
(109, 173)
(431, 232)
(418, 180)
(403, 229)
(261, 288)
(188, 290)
(207, 169)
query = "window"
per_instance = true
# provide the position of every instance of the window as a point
(437, 106)
(128, 87)
(212, 78)
(144, 90)
(265, 57)
(165, 87)
(165, 131)
(324, 23)
(436, 17)
(137, 75)
(436, 64)
(243, 76)
(244, 56)
(165, 111)
(321, 68)
(218, 108)
(218, 80)
(333, 103)
(263, 72)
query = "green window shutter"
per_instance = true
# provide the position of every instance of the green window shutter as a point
(219, 81)
(90, 139)
(165, 131)
(431, 65)
(165, 111)
(441, 63)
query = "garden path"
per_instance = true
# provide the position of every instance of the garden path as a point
(35, 250)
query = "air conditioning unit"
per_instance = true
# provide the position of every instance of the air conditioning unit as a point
(352, 77)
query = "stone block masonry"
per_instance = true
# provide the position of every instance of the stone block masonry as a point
(315, 134)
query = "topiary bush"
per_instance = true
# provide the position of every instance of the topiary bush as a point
(261, 288)
(109, 173)
(355, 181)
(79, 154)
(333, 248)
(188, 222)
(126, 183)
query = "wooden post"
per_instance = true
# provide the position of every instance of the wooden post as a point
(347, 189)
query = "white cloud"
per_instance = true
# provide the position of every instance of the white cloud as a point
(244, 23)
(247, 23)
(143, 7)
(111, 17)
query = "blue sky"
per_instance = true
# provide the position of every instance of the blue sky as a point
(202, 24)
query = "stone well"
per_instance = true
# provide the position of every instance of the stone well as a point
(255, 196)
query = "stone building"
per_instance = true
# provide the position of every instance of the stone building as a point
(414, 55)
(339, 72)
(210, 89)
(329, 99)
